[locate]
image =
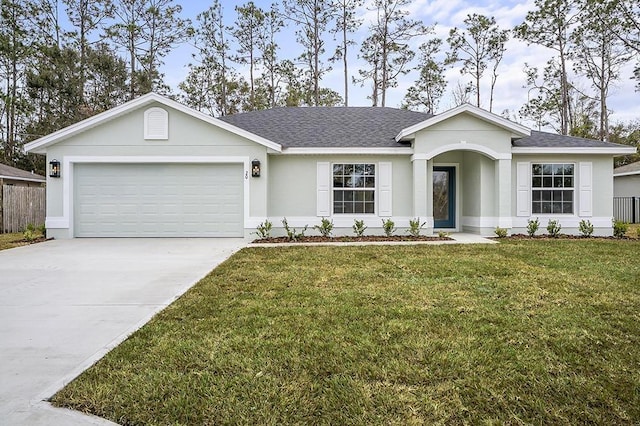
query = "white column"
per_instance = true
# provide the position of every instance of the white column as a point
(420, 182)
(503, 193)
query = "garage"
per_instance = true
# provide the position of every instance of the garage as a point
(158, 200)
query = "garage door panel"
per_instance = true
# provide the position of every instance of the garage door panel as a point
(158, 200)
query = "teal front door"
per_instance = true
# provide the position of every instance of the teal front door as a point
(444, 197)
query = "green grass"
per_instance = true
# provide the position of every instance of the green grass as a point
(11, 240)
(523, 332)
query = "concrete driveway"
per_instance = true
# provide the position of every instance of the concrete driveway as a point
(65, 303)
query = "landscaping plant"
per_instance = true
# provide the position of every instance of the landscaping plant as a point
(620, 228)
(553, 228)
(586, 228)
(325, 228)
(389, 227)
(532, 226)
(415, 226)
(264, 229)
(500, 232)
(359, 227)
(292, 233)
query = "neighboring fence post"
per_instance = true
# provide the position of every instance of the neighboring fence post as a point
(634, 213)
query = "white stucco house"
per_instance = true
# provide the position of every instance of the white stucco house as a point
(155, 168)
(626, 180)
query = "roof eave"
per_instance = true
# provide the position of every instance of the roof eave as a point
(41, 180)
(604, 150)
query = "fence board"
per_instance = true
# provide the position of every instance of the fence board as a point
(22, 205)
(626, 209)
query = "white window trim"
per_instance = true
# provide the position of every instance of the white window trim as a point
(374, 190)
(573, 189)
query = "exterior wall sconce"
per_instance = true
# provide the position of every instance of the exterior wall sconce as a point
(255, 168)
(54, 169)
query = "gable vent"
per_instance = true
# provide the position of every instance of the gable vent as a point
(156, 124)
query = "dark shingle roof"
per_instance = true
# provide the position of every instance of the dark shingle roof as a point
(370, 127)
(18, 174)
(552, 140)
(628, 168)
(331, 127)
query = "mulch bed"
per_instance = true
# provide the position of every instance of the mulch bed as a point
(346, 239)
(559, 237)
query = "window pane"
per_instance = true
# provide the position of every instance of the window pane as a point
(557, 195)
(558, 169)
(338, 195)
(348, 169)
(556, 208)
(557, 181)
(547, 169)
(338, 181)
(368, 195)
(348, 195)
(568, 182)
(568, 169)
(546, 208)
(358, 169)
(369, 182)
(567, 207)
(370, 169)
(567, 195)
(536, 169)
(537, 208)
(547, 182)
(369, 208)
(536, 195)
(546, 195)
(537, 182)
(337, 169)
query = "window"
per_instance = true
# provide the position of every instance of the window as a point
(354, 187)
(552, 188)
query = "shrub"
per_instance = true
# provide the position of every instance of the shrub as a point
(264, 229)
(585, 227)
(443, 234)
(620, 228)
(359, 227)
(43, 230)
(389, 227)
(415, 226)
(500, 232)
(325, 228)
(292, 233)
(29, 234)
(532, 227)
(553, 228)
(30, 227)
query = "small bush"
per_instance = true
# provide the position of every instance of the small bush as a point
(264, 229)
(620, 228)
(500, 232)
(359, 227)
(443, 234)
(292, 233)
(325, 228)
(42, 229)
(585, 227)
(30, 227)
(532, 227)
(29, 234)
(553, 228)
(389, 227)
(415, 226)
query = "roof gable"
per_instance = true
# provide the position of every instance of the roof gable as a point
(40, 145)
(517, 130)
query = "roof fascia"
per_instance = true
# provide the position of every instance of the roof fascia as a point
(347, 151)
(573, 150)
(43, 180)
(637, 172)
(38, 145)
(517, 130)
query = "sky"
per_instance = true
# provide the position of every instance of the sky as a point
(510, 92)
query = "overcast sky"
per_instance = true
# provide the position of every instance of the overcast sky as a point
(510, 93)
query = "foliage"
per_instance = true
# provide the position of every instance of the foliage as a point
(359, 227)
(264, 229)
(533, 226)
(586, 228)
(325, 228)
(443, 234)
(500, 232)
(553, 228)
(415, 226)
(426, 92)
(388, 226)
(620, 228)
(292, 233)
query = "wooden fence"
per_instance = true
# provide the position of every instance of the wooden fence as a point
(20, 206)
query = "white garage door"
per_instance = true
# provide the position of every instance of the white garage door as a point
(158, 200)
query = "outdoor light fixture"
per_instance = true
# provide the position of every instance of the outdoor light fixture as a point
(255, 168)
(54, 169)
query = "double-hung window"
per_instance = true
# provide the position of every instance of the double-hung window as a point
(354, 188)
(552, 188)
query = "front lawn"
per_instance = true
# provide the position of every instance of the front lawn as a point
(11, 240)
(541, 332)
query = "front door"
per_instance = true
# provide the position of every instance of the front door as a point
(444, 197)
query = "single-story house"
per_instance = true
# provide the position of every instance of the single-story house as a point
(155, 168)
(626, 180)
(17, 177)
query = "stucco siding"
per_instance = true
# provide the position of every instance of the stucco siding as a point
(463, 128)
(626, 186)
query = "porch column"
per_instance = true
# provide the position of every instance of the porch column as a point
(503, 193)
(420, 184)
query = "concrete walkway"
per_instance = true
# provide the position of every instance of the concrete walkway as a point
(65, 303)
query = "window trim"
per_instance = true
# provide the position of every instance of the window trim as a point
(374, 190)
(574, 201)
